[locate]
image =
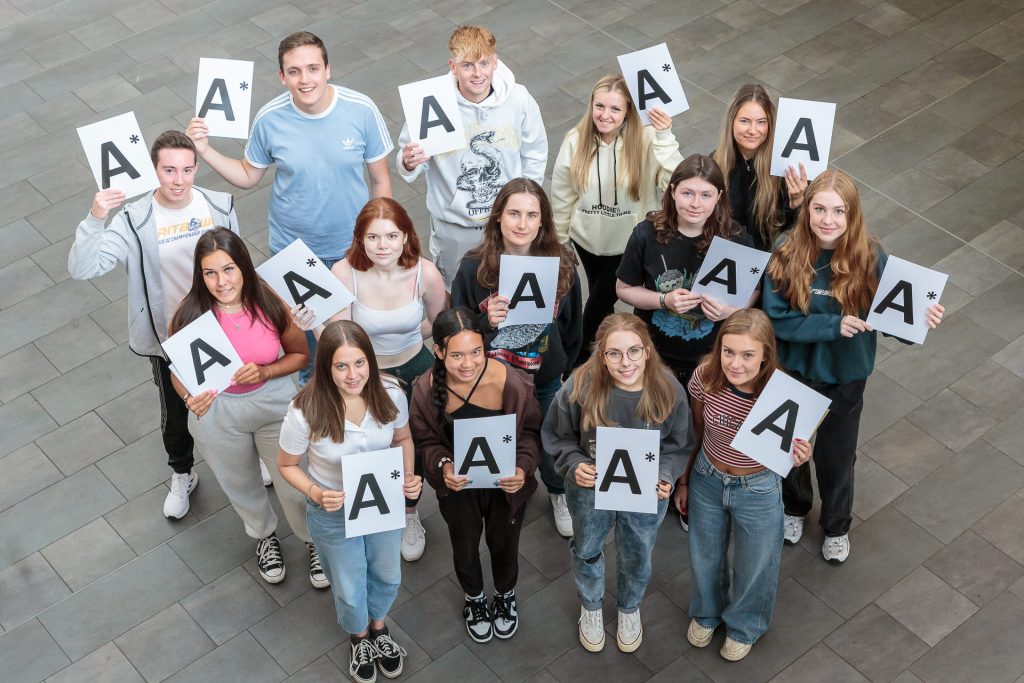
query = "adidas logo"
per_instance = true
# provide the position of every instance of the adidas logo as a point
(348, 143)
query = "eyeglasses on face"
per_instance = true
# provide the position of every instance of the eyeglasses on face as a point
(634, 353)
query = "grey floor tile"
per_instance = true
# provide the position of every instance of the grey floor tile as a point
(19, 239)
(907, 452)
(1010, 357)
(134, 413)
(29, 586)
(79, 341)
(155, 655)
(1003, 241)
(301, 631)
(119, 602)
(93, 383)
(23, 370)
(610, 663)
(214, 546)
(972, 271)
(58, 221)
(663, 621)
(990, 387)
(64, 180)
(458, 662)
(61, 112)
(79, 443)
(1007, 436)
(988, 145)
(962, 21)
(90, 67)
(951, 420)
(975, 567)
(952, 167)
(819, 662)
(105, 663)
(876, 487)
(915, 190)
(433, 618)
(321, 670)
(88, 554)
(229, 605)
(137, 467)
(29, 654)
(1001, 528)
(927, 606)
(26, 471)
(241, 658)
(885, 402)
(1001, 310)
(876, 644)
(46, 311)
(21, 280)
(141, 522)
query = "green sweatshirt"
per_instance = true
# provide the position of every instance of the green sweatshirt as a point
(810, 344)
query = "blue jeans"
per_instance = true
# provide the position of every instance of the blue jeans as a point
(553, 482)
(307, 372)
(753, 505)
(365, 572)
(635, 534)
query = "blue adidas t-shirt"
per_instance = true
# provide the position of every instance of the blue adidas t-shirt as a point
(318, 183)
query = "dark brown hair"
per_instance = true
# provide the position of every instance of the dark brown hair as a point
(172, 139)
(388, 209)
(447, 324)
(719, 223)
(749, 321)
(299, 39)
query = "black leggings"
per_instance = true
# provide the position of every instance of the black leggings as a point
(173, 419)
(600, 271)
(471, 512)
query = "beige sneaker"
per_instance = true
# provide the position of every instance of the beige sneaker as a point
(699, 636)
(733, 650)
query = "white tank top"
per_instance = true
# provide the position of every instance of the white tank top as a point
(391, 332)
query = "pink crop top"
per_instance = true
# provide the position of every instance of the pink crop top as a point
(255, 342)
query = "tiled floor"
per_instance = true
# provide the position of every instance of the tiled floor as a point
(96, 585)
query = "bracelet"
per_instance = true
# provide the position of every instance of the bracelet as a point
(270, 372)
(185, 398)
(309, 493)
(661, 301)
(440, 464)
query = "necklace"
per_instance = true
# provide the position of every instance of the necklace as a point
(229, 310)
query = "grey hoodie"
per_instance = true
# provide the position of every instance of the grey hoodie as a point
(130, 239)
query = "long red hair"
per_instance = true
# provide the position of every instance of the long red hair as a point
(390, 210)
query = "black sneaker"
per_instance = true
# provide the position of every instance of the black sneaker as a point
(390, 654)
(361, 667)
(505, 617)
(478, 618)
(268, 559)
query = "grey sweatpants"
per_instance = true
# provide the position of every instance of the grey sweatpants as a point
(449, 243)
(238, 429)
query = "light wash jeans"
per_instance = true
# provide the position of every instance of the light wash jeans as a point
(635, 534)
(365, 572)
(752, 505)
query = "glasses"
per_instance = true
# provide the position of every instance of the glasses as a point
(634, 353)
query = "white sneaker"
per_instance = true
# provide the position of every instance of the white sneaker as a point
(563, 521)
(794, 529)
(734, 650)
(176, 502)
(414, 537)
(591, 629)
(699, 636)
(630, 632)
(265, 473)
(836, 549)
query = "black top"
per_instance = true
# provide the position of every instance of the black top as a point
(742, 189)
(467, 409)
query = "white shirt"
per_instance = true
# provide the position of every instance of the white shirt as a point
(177, 231)
(325, 456)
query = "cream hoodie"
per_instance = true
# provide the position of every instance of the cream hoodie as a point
(602, 217)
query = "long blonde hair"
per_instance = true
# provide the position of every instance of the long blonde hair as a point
(593, 383)
(767, 213)
(854, 261)
(630, 171)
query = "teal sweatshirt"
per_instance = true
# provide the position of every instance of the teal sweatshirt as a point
(809, 344)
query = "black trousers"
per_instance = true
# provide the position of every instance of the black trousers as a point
(835, 453)
(471, 512)
(173, 420)
(600, 272)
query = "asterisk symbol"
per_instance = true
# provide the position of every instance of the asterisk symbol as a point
(931, 295)
(311, 262)
(507, 438)
(755, 270)
(650, 457)
(243, 85)
(395, 474)
(666, 67)
(134, 139)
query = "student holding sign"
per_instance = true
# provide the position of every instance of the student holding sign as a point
(663, 256)
(154, 239)
(820, 283)
(349, 407)
(623, 384)
(728, 494)
(609, 173)
(505, 139)
(759, 200)
(238, 428)
(398, 295)
(465, 384)
(521, 224)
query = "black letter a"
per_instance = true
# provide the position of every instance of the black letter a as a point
(811, 146)
(107, 150)
(535, 295)
(214, 357)
(729, 266)
(376, 500)
(904, 289)
(291, 279)
(656, 93)
(487, 460)
(790, 408)
(220, 88)
(629, 474)
(430, 105)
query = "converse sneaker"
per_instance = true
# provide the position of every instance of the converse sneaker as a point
(390, 654)
(478, 618)
(317, 577)
(630, 632)
(361, 667)
(794, 529)
(268, 559)
(563, 522)
(504, 615)
(414, 537)
(733, 650)
(591, 629)
(684, 521)
(176, 502)
(265, 473)
(699, 636)
(836, 549)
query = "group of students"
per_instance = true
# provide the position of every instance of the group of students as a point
(625, 205)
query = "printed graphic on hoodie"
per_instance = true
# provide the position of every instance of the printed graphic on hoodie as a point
(480, 172)
(689, 325)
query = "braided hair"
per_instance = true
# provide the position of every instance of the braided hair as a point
(446, 325)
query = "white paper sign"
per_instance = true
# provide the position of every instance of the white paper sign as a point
(432, 114)
(786, 410)
(484, 449)
(224, 96)
(627, 469)
(803, 133)
(202, 355)
(299, 277)
(530, 283)
(374, 498)
(653, 81)
(905, 292)
(118, 156)
(730, 272)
